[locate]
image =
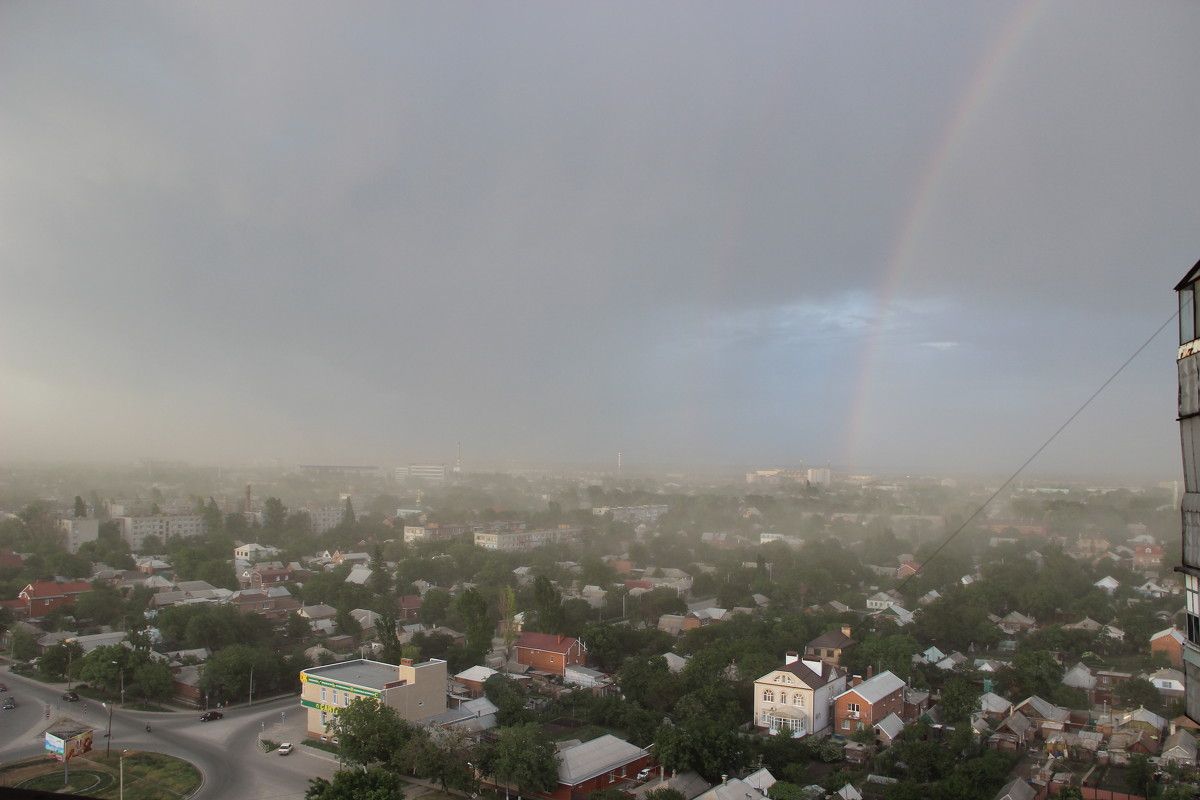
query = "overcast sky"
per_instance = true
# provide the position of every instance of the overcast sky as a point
(888, 236)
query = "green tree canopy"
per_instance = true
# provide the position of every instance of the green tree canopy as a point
(375, 784)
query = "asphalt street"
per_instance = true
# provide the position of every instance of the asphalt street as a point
(226, 751)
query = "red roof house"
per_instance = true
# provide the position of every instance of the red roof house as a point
(42, 597)
(549, 652)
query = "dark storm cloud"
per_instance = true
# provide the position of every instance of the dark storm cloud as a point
(558, 230)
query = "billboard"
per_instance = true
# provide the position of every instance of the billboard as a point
(65, 745)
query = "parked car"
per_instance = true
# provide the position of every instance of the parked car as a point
(209, 716)
(70, 697)
(286, 748)
(3, 687)
(9, 703)
(645, 774)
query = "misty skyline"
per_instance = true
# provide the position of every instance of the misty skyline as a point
(894, 237)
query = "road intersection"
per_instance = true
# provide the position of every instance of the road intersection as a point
(226, 751)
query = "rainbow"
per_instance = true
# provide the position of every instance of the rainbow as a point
(987, 76)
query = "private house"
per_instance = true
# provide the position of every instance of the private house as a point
(1108, 584)
(39, 598)
(1180, 748)
(408, 606)
(1169, 683)
(261, 577)
(597, 764)
(796, 700)
(548, 652)
(1046, 717)
(473, 678)
(274, 604)
(253, 552)
(416, 691)
(865, 704)
(1169, 642)
(1147, 556)
(829, 647)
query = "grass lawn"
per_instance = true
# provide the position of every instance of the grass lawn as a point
(148, 776)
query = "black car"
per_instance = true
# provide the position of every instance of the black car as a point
(208, 716)
(9, 703)
(70, 697)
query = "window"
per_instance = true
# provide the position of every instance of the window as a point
(798, 699)
(853, 707)
(768, 696)
(323, 698)
(335, 695)
(845, 724)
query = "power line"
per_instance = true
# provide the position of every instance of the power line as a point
(1038, 452)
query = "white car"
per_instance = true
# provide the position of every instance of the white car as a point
(645, 774)
(286, 748)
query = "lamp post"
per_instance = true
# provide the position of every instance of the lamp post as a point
(121, 796)
(108, 736)
(122, 669)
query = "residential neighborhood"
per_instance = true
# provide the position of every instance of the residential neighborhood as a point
(633, 649)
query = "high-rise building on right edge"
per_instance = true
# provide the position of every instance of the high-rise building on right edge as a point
(1189, 435)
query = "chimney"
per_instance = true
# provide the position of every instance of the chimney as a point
(790, 657)
(870, 673)
(846, 631)
(560, 638)
(855, 680)
(724, 780)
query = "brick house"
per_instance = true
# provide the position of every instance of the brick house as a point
(865, 704)
(1169, 642)
(41, 597)
(597, 764)
(831, 646)
(1147, 556)
(548, 652)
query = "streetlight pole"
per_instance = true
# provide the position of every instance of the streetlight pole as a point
(121, 796)
(108, 736)
(251, 685)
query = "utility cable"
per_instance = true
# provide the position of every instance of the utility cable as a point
(1038, 452)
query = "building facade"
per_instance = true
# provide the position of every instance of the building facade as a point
(548, 652)
(797, 699)
(417, 691)
(77, 531)
(1188, 361)
(165, 526)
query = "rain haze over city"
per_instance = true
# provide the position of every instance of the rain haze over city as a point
(883, 237)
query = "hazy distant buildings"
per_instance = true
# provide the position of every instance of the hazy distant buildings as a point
(820, 476)
(321, 520)
(165, 526)
(1189, 429)
(77, 531)
(518, 541)
(435, 473)
(775, 477)
(632, 514)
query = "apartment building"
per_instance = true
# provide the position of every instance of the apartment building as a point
(165, 526)
(77, 531)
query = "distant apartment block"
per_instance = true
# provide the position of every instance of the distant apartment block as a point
(322, 520)
(517, 541)
(432, 532)
(775, 477)
(820, 476)
(632, 515)
(433, 473)
(77, 531)
(334, 470)
(416, 691)
(165, 526)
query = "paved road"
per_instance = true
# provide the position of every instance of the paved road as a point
(226, 751)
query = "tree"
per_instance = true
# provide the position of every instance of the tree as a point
(375, 784)
(959, 700)
(153, 680)
(1036, 672)
(381, 579)
(548, 616)
(443, 755)
(507, 606)
(525, 756)
(152, 545)
(297, 628)
(227, 672)
(80, 508)
(348, 517)
(24, 645)
(1138, 774)
(434, 606)
(1140, 692)
(274, 515)
(473, 611)
(509, 698)
(102, 605)
(55, 662)
(370, 733)
(346, 625)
